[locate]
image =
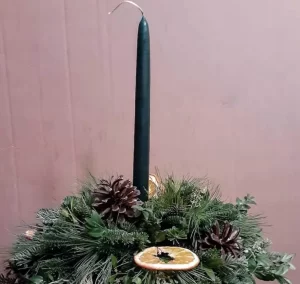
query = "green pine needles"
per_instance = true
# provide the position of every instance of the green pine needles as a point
(77, 244)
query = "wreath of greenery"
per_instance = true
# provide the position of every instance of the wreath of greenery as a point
(76, 244)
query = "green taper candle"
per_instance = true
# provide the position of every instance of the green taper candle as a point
(142, 107)
(142, 111)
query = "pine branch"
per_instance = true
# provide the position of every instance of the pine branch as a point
(48, 216)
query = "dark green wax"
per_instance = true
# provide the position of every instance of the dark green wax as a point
(142, 112)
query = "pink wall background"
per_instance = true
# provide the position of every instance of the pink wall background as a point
(225, 100)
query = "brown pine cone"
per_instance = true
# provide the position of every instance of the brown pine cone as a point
(115, 198)
(225, 240)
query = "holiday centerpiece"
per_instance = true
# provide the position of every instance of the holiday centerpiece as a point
(184, 234)
(149, 231)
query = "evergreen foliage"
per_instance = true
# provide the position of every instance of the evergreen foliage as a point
(76, 244)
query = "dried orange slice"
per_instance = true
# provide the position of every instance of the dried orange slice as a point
(155, 185)
(167, 258)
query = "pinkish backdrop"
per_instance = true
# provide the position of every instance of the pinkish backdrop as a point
(225, 100)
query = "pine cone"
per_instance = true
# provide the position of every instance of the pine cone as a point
(115, 198)
(226, 241)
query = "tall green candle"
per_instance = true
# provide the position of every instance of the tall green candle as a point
(142, 111)
(142, 107)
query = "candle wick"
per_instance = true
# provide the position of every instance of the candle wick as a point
(128, 2)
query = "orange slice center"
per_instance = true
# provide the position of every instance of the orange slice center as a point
(168, 258)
